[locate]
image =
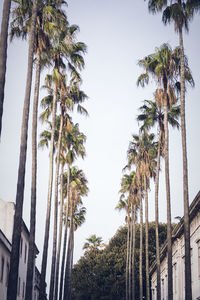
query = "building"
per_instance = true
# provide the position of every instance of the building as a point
(178, 257)
(7, 210)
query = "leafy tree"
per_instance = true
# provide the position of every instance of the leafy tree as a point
(100, 274)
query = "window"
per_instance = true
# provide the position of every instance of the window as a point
(2, 268)
(23, 292)
(21, 246)
(175, 278)
(18, 288)
(7, 275)
(162, 289)
(25, 253)
(198, 244)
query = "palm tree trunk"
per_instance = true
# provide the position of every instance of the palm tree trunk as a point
(3, 53)
(141, 246)
(60, 233)
(14, 257)
(63, 257)
(158, 294)
(146, 239)
(130, 255)
(169, 230)
(71, 266)
(188, 286)
(42, 294)
(31, 251)
(133, 253)
(127, 259)
(68, 267)
(65, 236)
(53, 262)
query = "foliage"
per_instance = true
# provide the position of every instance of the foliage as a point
(100, 274)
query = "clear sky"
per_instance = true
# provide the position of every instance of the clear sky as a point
(118, 33)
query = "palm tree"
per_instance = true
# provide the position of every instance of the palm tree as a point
(14, 259)
(125, 204)
(128, 186)
(93, 242)
(181, 12)
(162, 66)
(142, 152)
(152, 113)
(3, 53)
(73, 143)
(78, 188)
(141, 248)
(78, 139)
(64, 47)
(20, 27)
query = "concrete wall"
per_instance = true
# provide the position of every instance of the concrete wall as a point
(6, 229)
(178, 258)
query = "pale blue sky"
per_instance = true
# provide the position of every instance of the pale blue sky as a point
(117, 33)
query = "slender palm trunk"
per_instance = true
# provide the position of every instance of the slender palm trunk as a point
(14, 257)
(169, 230)
(188, 286)
(158, 294)
(65, 236)
(133, 253)
(130, 255)
(42, 293)
(53, 262)
(127, 259)
(3, 53)
(71, 266)
(31, 251)
(60, 233)
(146, 239)
(141, 246)
(68, 268)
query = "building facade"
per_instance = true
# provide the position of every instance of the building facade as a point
(178, 258)
(7, 210)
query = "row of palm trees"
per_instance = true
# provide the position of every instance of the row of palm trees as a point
(53, 44)
(164, 66)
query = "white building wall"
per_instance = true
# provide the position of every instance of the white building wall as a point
(7, 210)
(178, 257)
(4, 266)
(6, 226)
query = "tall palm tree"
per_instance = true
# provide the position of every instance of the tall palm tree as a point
(14, 259)
(77, 143)
(64, 47)
(20, 27)
(151, 114)
(162, 66)
(125, 205)
(3, 53)
(181, 12)
(79, 188)
(128, 186)
(142, 152)
(73, 143)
